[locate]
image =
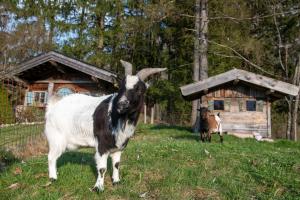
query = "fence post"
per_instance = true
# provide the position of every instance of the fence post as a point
(152, 115)
(145, 114)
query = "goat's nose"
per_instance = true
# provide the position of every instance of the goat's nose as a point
(124, 103)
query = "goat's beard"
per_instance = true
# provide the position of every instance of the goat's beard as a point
(122, 110)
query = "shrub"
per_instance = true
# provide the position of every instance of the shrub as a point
(6, 158)
(6, 107)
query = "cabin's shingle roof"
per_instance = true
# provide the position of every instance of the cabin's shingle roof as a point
(195, 89)
(65, 60)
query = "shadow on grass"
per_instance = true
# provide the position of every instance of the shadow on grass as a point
(187, 137)
(187, 133)
(167, 127)
(82, 158)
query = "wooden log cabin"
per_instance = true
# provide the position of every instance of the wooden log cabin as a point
(242, 98)
(54, 73)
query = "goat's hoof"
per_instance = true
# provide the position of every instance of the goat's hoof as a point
(115, 183)
(53, 179)
(97, 189)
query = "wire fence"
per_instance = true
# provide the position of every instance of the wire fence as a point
(20, 122)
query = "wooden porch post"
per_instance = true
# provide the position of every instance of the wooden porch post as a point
(269, 125)
(50, 89)
(145, 114)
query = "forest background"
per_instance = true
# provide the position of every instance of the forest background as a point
(254, 35)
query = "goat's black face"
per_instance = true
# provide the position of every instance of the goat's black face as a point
(131, 95)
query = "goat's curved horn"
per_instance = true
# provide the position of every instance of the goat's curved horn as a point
(144, 73)
(127, 66)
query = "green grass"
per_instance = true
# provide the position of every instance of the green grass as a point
(169, 163)
(19, 134)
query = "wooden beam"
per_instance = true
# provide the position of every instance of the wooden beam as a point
(60, 69)
(63, 81)
(50, 89)
(270, 92)
(52, 62)
(236, 81)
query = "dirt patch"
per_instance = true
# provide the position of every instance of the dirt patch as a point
(200, 193)
(296, 167)
(153, 175)
(36, 147)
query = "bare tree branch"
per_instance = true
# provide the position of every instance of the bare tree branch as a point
(247, 18)
(279, 43)
(242, 57)
(224, 55)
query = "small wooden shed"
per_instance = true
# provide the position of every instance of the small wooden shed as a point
(53, 72)
(242, 98)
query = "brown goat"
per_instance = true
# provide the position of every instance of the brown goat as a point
(209, 124)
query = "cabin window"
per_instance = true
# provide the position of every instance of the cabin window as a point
(251, 105)
(38, 98)
(64, 91)
(218, 104)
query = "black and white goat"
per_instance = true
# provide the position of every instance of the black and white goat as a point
(105, 123)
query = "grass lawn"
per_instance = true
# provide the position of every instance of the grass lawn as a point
(19, 133)
(168, 163)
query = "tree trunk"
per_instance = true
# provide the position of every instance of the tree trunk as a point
(203, 41)
(200, 54)
(101, 31)
(289, 120)
(296, 81)
(196, 70)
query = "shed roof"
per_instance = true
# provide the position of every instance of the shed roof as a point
(53, 56)
(194, 90)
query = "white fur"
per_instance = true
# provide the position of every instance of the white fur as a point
(69, 122)
(101, 163)
(69, 125)
(131, 81)
(219, 128)
(115, 157)
(123, 134)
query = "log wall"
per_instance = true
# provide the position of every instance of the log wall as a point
(235, 117)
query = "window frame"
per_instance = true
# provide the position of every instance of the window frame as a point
(255, 105)
(223, 104)
(34, 101)
(65, 87)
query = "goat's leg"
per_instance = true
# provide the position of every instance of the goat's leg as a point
(54, 153)
(209, 136)
(221, 136)
(116, 157)
(101, 163)
(202, 137)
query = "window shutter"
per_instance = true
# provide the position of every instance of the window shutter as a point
(241, 105)
(260, 106)
(210, 105)
(227, 105)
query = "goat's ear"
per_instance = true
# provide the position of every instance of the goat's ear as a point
(219, 115)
